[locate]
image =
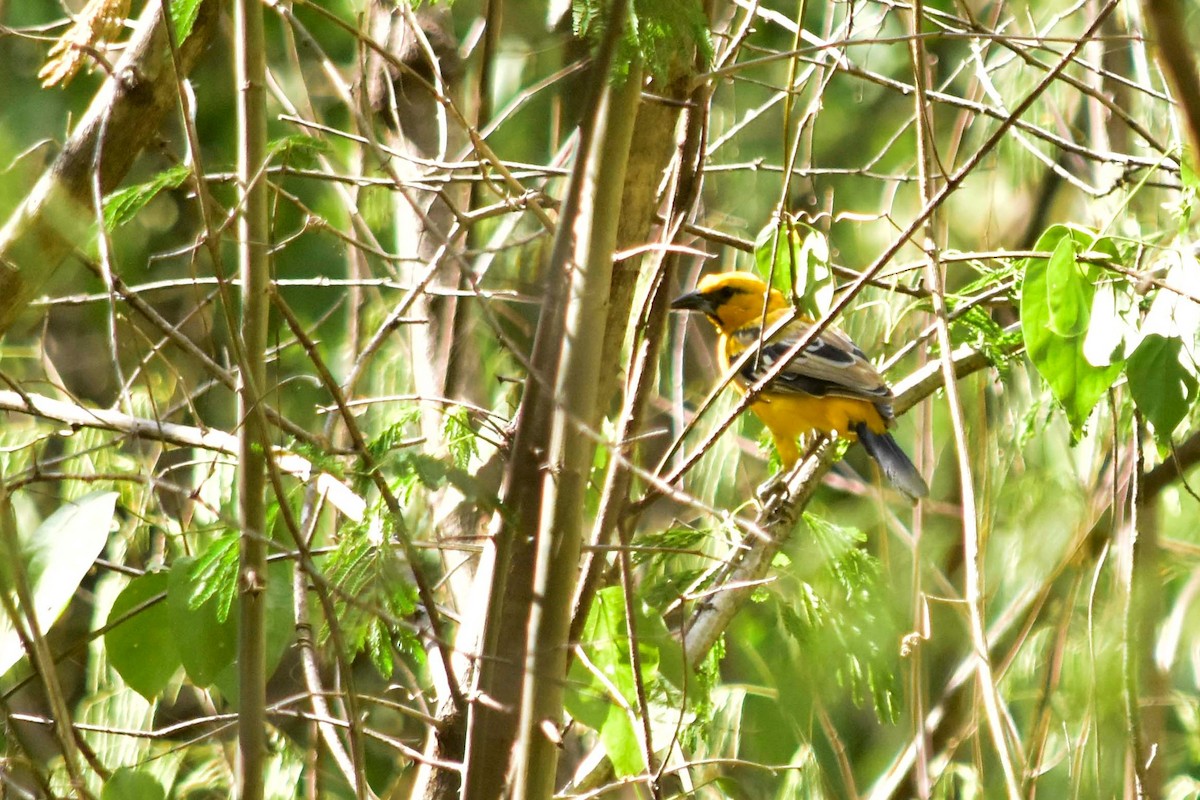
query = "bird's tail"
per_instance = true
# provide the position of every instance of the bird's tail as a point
(893, 461)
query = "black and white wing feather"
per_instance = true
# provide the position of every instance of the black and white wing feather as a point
(830, 365)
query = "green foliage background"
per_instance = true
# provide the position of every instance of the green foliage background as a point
(1068, 260)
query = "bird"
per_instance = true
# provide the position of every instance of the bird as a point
(830, 387)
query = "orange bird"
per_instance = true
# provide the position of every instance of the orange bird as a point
(829, 387)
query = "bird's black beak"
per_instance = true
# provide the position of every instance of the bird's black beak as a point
(692, 301)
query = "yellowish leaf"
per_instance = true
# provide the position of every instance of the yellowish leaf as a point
(97, 25)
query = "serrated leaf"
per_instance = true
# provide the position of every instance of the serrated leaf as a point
(142, 648)
(661, 34)
(666, 588)
(379, 648)
(795, 624)
(843, 618)
(97, 25)
(376, 579)
(123, 205)
(460, 438)
(214, 575)
(1162, 383)
(56, 557)
(394, 436)
(668, 32)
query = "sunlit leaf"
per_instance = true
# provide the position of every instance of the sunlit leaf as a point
(602, 692)
(1068, 292)
(184, 13)
(795, 257)
(94, 28)
(56, 556)
(214, 575)
(460, 438)
(124, 204)
(1060, 359)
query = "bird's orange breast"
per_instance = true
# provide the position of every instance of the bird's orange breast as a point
(791, 413)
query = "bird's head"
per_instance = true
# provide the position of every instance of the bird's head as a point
(730, 299)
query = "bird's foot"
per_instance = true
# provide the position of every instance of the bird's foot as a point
(772, 490)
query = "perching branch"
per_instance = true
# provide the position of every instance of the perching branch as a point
(332, 489)
(777, 518)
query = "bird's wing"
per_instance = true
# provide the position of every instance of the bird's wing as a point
(830, 365)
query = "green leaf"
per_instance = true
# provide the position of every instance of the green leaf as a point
(1186, 203)
(413, 468)
(818, 275)
(56, 557)
(127, 783)
(667, 32)
(214, 575)
(184, 13)
(394, 437)
(795, 257)
(123, 205)
(844, 616)
(427, 469)
(1112, 320)
(280, 627)
(375, 578)
(206, 644)
(654, 634)
(281, 614)
(1163, 384)
(977, 327)
(379, 647)
(662, 34)
(590, 696)
(1068, 292)
(297, 149)
(142, 648)
(1075, 381)
(459, 436)
(774, 256)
